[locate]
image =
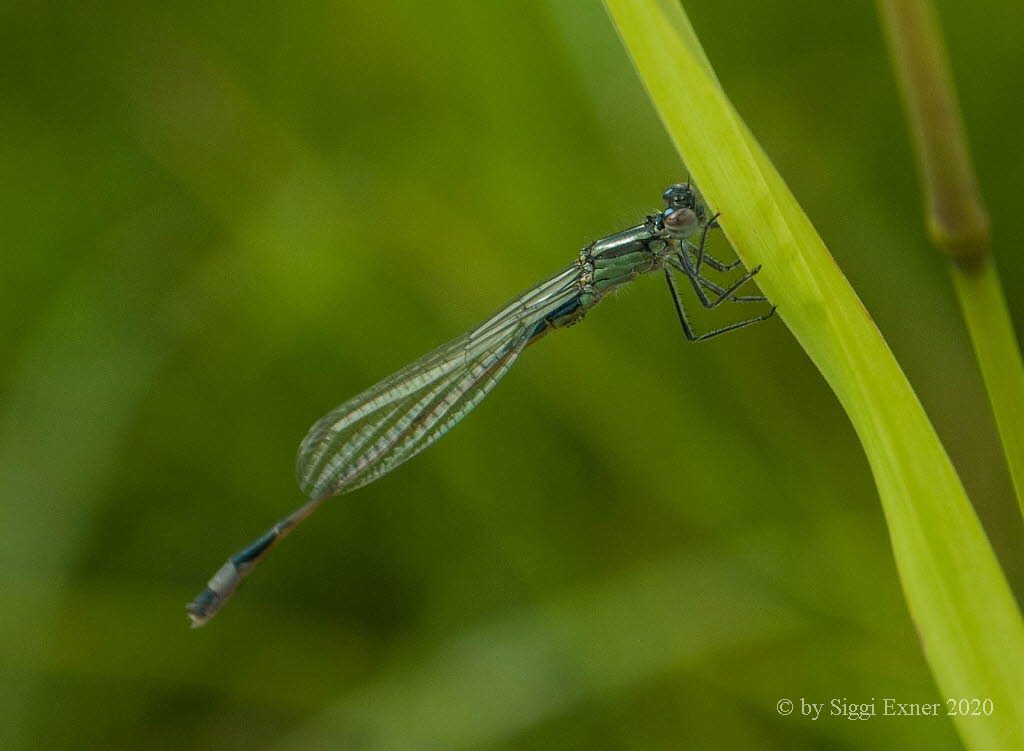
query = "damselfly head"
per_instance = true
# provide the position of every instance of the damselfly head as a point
(680, 195)
(684, 211)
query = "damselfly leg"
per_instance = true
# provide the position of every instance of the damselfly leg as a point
(718, 290)
(688, 260)
(688, 328)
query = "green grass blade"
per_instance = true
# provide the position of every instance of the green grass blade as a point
(955, 213)
(995, 345)
(969, 624)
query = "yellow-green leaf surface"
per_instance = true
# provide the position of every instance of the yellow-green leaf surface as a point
(969, 625)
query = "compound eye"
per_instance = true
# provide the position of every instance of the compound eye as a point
(678, 195)
(681, 221)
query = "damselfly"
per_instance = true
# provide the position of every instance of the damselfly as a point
(374, 432)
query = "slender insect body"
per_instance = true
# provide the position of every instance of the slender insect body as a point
(389, 423)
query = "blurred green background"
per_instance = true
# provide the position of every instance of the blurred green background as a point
(220, 221)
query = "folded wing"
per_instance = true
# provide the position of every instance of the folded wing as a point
(375, 431)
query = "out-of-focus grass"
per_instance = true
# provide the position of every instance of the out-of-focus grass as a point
(219, 225)
(955, 212)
